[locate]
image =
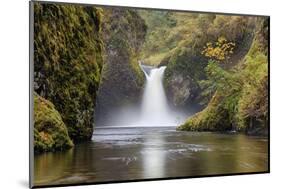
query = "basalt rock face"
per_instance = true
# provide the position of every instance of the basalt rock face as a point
(122, 79)
(181, 89)
(68, 62)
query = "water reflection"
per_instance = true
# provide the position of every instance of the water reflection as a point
(153, 157)
(140, 153)
(49, 166)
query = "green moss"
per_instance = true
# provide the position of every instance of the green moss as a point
(124, 33)
(68, 58)
(50, 132)
(155, 59)
(253, 104)
(137, 70)
(215, 117)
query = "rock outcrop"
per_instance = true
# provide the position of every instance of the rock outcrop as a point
(122, 79)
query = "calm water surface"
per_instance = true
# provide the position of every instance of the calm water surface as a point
(117, 154)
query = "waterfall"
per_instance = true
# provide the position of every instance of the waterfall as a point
(155, 110)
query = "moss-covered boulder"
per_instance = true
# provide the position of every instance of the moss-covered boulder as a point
(215, 117)
(122, 78)
(68, 61)
(50, 132)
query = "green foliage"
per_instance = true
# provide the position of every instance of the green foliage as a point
(68, 61)
(219, 79)
(163, 34)
(239, 97)
(169, 30)
(253, 103)
(50, 132)
(223, 88)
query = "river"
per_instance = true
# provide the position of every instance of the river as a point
(130, 153)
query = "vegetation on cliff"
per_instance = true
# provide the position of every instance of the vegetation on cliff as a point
(68, 61)
(239, 96)
(50, 132)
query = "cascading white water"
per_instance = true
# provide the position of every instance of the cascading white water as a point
(154, 108)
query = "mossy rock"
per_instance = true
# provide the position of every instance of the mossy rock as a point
(68, 59)
(213, 118)
(50, 132)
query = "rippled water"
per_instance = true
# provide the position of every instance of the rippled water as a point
(117, 154)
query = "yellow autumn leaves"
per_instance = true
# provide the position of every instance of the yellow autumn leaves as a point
(221, 50)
